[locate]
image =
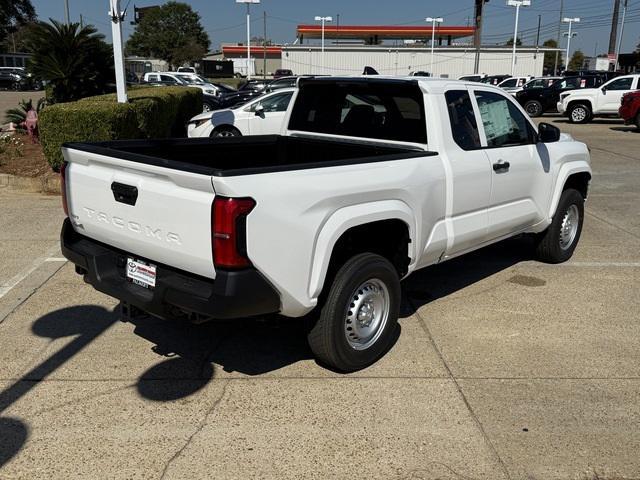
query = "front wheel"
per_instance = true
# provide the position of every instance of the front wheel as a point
(557, 243)
(225, 132)
(359, 317)
(579, 113)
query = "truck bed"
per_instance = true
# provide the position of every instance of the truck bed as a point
(224, 157)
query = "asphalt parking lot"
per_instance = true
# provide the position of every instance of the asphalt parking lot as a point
(504, 368)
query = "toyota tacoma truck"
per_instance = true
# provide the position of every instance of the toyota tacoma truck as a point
(371, 179)
(581, 106)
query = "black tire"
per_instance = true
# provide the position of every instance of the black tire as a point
(360, 283)
(207, 107)
(638, 120)
(533, 108)
(225, 131)
(553, 245)
(580, 113)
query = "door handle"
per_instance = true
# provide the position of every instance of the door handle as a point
(501, 166)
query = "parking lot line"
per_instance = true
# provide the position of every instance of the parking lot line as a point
(6, 288)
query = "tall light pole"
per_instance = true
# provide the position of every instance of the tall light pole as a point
(323, 20)
(248, 2)
(66, 12)
(624, 14)
(570, 21)
(117, 17)
(433, 21)
(517, 4)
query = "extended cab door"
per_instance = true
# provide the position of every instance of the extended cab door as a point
(519, 175)
(611, 93)
(470, 173)
(268, 114)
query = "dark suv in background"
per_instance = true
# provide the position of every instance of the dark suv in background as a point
(537, 101)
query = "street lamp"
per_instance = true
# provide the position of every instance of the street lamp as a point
(517, 4)
(570, 21)
(624, 14)
(117, 17)
(248, 2)
(323, 20)
(433, 21)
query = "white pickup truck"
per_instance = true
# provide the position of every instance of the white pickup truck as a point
(372, 179)
(581, 106)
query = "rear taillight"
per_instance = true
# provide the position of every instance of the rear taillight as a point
(228, 235)
(63, 187)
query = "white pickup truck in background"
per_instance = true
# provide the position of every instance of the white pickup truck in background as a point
(371, 179)
(581, 106)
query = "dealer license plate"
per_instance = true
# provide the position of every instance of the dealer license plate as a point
(141, 273)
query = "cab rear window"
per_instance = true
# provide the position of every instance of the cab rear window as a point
(361, 109)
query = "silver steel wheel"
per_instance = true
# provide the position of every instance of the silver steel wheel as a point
(578, 114)
(367, 315)
(569, 227)
(206, 107)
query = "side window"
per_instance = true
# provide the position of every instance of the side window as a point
(167, 79)
(464, 128)
(621, 84)
(153, 78)
(276, 103)
(509, 83)
(504, 124)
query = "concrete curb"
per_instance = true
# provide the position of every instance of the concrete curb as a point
(31, 184)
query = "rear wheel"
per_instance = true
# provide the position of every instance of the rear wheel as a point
(207, 107)
(557, 243)
(358, 319)
(225, 132)
(579, 113)
(533, 108)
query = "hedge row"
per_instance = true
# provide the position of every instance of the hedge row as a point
(154, 112)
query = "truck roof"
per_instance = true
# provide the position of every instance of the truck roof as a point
(434, 85)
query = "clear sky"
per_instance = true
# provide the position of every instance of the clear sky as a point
(224, 20)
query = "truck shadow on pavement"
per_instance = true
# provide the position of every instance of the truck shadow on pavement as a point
(85, 323)
(438, 281)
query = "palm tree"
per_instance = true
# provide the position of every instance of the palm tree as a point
(19, 114)
(74, 60)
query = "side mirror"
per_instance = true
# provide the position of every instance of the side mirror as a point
(548, 133)
(604, 90)
(259, 111)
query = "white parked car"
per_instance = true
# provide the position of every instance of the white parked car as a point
(514, 84)
(580, 106)
(326, 218)
(177, 79)
(193, 79)
(261, 116)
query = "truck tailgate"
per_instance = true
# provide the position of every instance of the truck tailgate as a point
(156, 213)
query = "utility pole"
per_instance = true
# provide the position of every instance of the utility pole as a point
(117, 17)
(535, 55)
(555, 65)
(477, 36)
(614, 27)
(624, 14)
(337, 28)
(66, 12)
(264, 46)
(81, 21)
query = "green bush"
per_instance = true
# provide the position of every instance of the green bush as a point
(152, 112)
(84, 122)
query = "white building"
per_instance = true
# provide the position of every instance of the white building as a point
(448, 61)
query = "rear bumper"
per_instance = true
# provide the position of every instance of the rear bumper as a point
(177, 294)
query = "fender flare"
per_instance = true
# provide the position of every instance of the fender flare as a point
(566, 170)
(352, 216)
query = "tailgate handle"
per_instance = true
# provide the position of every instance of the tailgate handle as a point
(124, 193)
